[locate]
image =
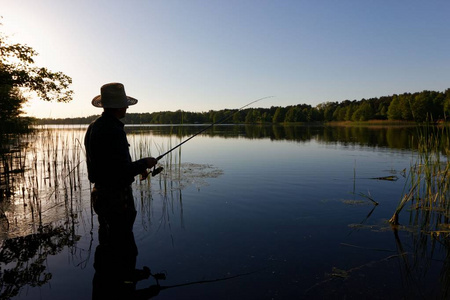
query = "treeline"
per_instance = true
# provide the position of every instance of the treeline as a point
(418, 107)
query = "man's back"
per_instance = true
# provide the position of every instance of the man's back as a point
(107, 151)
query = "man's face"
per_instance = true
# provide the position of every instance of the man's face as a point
(122, 112)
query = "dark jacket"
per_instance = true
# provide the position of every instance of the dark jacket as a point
(107, 154)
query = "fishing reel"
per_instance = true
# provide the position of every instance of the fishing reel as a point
(158, 277)
(157, 170)
(145, 273)
(154, 172)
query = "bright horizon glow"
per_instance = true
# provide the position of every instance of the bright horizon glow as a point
(211, 55)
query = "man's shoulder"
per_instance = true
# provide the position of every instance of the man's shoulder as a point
(105, 126)
(101, 121)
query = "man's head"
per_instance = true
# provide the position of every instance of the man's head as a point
(113, 96)
(119, 113)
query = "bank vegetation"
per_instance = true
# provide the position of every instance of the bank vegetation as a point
(407, 107)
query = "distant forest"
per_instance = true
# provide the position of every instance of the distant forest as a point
(419, 107)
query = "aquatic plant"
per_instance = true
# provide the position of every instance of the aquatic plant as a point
(40, 179)
(41, 213)
(428, 195)
(428, 180)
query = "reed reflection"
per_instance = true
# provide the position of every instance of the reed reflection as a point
(40, 202)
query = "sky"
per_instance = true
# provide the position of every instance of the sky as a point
(209, 55)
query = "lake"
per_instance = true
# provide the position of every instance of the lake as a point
(239, 212)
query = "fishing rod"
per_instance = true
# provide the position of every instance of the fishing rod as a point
(158, 170)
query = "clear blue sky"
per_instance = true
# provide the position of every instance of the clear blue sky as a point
(203, 55)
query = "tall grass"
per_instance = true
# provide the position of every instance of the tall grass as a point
(428, 188)
(167, 185)
(427, 200)
(43, 179)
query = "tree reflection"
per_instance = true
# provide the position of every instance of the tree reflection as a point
(23, 259)
(397, 137)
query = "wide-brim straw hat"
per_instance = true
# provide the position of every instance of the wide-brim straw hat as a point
(113, 96)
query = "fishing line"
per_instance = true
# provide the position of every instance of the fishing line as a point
(162, 287)
(159, 169)
(162, 276)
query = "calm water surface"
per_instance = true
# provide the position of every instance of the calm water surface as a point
(285, 209)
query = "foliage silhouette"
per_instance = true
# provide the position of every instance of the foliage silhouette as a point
(416, 107)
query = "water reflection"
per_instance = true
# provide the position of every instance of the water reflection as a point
(24, 258)
(51, 186)
(418, 268)
(422, 251)
(116, 274)
(397, 137)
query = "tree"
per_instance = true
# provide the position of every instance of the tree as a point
(291, 114)
(313, 114)
(219, 115)
(364, 112)
(394, 112)
(19, 75)
(437, 105)
(382, 112)
(237, 117)
(253, 116)
(446, 104)
(279, 115)
(349, 112)
(339, 114)
(405, 106)
(266, 117)
(420, 107)
(327, 109)
(11, 101)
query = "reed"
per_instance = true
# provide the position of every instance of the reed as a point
(166, 186)
(47, 174)
(428, 186)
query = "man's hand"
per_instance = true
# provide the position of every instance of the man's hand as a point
(151, 162)
(144, 175)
